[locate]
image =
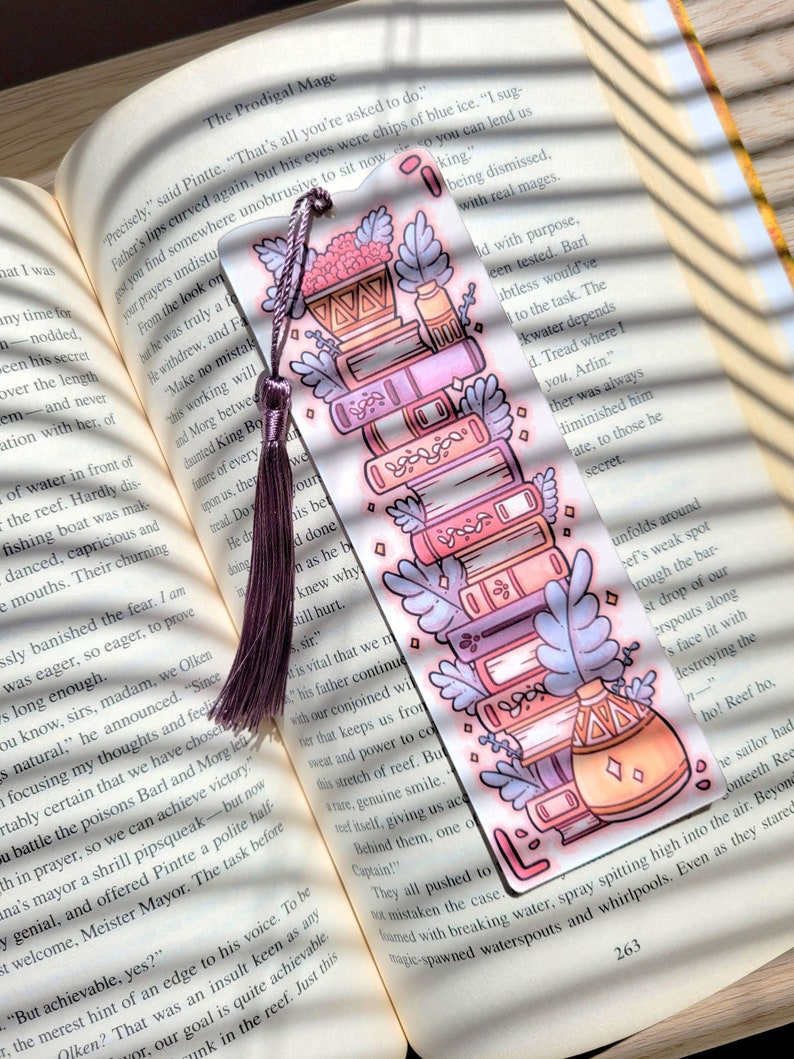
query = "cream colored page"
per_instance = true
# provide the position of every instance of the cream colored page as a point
(163, 886)
(505, 100)
(716, 227)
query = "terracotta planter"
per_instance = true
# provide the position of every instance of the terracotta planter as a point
(627, 760)
(355, 305)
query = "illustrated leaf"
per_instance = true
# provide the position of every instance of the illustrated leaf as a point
(270, 299)
(459, 684)
(408, 514)
(375, 228)
(430, 592)
(272, 253)
(546, 483)
(576, 646)
(641, 689)
(318, 370)
(421, 257)
(517, 784)
(487, 399)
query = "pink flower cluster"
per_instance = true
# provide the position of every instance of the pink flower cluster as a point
(342, 259)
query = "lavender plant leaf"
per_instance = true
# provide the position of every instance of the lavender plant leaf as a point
(459, 684)
(487, 399)
(408, 513)
(430, 592)
(318, 370)
(546, 484)
(517, 784)
(272, 253)
(641, 689)
(576, 646)
(376, 227)
(421, 257)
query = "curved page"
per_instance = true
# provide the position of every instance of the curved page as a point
(164, 887)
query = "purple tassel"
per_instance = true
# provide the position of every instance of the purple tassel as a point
(256, 685)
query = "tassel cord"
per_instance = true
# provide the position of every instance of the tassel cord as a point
(314, 200)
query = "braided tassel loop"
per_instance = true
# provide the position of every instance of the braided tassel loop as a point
(256, 685)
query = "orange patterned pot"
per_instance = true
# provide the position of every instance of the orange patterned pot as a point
(627, 760)
(355, 304)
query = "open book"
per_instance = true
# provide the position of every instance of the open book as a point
(169, 888)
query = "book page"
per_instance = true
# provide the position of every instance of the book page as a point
(506, 101)
(672, 123)
(164, 887)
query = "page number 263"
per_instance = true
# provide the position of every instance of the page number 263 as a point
(629, 948)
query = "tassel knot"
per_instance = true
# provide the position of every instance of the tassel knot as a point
(256, 685)
(273, 396)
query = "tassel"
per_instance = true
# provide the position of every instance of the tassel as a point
(256, 685)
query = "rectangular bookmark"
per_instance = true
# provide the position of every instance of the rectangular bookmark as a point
(525, 638)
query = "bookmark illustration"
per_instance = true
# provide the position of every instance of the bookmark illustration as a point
(524, 636)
